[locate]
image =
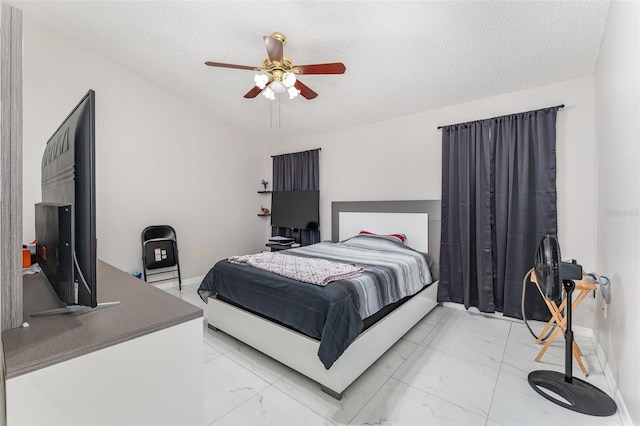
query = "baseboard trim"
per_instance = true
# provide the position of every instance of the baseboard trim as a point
(611, 382)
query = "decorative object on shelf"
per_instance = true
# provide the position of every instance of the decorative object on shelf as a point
(265, 184)
(264, 210)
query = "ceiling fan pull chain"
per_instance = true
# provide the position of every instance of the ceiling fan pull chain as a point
(273, 119)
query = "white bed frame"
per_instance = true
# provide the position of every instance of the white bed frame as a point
(301, 352)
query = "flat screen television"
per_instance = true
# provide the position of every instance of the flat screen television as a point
(66, 218)
(295, 209)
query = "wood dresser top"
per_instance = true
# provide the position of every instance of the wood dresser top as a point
(49, 340)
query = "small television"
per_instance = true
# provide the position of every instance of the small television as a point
(295, 209)
(66, 217)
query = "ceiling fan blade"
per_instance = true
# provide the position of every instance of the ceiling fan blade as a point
(223, 65)
(305, 91)
(274, 48)
(332, 68)
(255, 91)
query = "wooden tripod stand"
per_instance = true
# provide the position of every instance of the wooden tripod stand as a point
(557, 317)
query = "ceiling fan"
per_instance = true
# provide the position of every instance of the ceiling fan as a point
(278, 74)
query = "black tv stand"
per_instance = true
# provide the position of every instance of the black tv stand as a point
(295, 233)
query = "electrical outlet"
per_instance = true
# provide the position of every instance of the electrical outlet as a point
(201, 252)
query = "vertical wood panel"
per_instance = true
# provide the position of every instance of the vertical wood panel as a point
(11, 166)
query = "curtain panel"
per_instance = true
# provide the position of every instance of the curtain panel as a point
(299, 171)
(498, 200)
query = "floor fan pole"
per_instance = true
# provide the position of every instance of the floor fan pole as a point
(569, 286)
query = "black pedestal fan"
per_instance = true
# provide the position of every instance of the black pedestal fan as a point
(564, 389)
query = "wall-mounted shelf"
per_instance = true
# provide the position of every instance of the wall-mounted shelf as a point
(264, 214)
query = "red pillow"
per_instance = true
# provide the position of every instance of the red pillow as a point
(400, 237)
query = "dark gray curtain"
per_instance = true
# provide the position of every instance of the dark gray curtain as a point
(298, 171)
(498, 200)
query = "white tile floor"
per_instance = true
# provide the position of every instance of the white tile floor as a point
(453, 368)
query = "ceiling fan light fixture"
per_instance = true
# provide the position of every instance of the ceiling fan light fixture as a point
(278, 87)
(289, 79)
(261, 80)
(293, 92)
(269, 94)
(280, 83)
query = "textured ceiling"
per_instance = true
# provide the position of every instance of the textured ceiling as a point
(402, 57)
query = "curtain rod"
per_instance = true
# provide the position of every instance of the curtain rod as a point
(308, 150)
(500, 116)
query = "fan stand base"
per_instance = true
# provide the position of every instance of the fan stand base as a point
(579, 395)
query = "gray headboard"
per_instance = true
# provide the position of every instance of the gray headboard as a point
(431, 207)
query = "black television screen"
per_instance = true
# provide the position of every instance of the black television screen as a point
(295, 209)
(68, 178)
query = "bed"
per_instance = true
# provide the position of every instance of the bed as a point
(333, 359)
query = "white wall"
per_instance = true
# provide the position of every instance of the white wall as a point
(159, 160)
(401, 159)
(617, 86)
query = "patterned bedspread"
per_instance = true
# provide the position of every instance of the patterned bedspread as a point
(305, 269)
(333, 313)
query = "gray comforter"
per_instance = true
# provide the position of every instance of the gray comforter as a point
(333, 313)
(394, 271)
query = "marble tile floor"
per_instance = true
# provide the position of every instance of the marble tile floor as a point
(452, 368)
